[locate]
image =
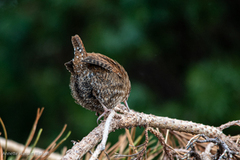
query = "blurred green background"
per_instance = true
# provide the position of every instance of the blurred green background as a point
(182, 57)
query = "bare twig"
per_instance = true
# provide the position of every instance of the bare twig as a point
(48, 151)
(30, 137)
(35, 143)
(130, 140)
(16, 148)
(223, 151)
(53, 149)
(161, 139)
(102, 145)
(207, 154)
(229, 124)
(141, 153)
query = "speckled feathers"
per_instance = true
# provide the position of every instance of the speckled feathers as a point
(96, 79)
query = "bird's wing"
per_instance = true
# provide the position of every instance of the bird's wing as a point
(102, 61)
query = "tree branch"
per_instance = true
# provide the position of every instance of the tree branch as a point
(15, 148)
(133, 119)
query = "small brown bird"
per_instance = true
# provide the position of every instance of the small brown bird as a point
(97, 82)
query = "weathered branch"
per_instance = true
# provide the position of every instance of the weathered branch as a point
(101, 146)
(15, 148)
(132, 119)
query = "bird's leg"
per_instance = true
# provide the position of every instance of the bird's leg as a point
(126, 104)
(105, 111)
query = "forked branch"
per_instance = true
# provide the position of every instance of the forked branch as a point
(132, 119)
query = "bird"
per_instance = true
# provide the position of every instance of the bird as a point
(97, 82)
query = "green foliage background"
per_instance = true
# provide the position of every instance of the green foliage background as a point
(182, 58)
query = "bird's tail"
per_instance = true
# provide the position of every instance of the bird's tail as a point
(78, 46)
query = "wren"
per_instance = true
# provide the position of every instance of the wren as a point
(97, 82)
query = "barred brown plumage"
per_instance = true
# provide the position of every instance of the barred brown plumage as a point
(97, 82)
